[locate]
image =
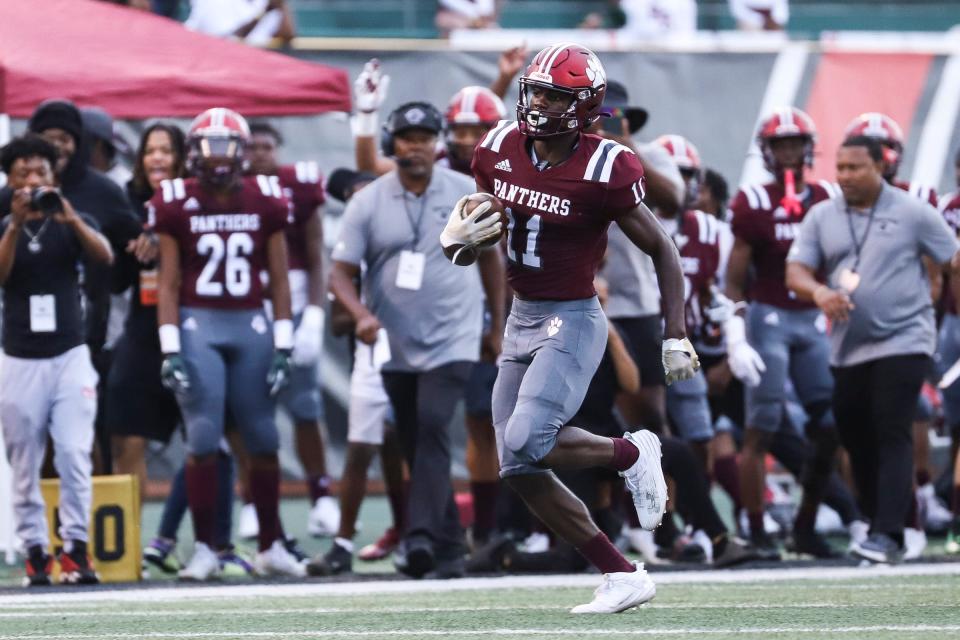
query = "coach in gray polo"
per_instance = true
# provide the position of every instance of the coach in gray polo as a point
(870, 245)
(432, 313)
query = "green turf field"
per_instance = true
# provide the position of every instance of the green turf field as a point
(871, 606)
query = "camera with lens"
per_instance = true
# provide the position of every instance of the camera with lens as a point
(46, 200)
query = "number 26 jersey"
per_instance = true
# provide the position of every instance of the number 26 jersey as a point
(223, 245)
(558, 216)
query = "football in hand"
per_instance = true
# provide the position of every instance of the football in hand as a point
(496, 208)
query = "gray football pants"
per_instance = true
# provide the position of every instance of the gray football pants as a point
(551, 350)
(227, 355)
(55, 396)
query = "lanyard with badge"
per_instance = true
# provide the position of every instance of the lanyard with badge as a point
(849, 279)
(412, 262)
(43, 307)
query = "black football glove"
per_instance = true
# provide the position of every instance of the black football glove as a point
(173, 374)
(279, 374)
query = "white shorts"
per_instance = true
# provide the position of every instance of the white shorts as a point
(369, 405)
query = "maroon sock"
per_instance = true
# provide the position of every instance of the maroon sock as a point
(756, 522)
(398, 508)
(625, 453)
(604, 556)
(728, 476)
(633, 520)
(923, 477)
(913, 514)
(265, 487)
(201, 482)
(318, 486)
(484, 506)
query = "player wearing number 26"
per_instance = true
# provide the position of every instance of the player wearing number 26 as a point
(218, 230)
(561, 189)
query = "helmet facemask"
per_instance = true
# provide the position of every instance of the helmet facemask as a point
(217, 160)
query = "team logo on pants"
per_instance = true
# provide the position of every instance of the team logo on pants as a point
(554, 327)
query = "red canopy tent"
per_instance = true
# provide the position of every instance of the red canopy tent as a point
(137, 65)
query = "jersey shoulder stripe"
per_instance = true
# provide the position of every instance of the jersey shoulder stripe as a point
(495, 138)
(173, 190)
(832, 188)
(269, 186)
(600, 165)
(920, 191)
(307, 172)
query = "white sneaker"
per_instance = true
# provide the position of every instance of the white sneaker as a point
(645, 479)
(701, 539)
(536, 542)
(277, 561)
(936, 516)
(642, 542)
(620, 591)
(324, 518)
(249, 527)
(770, 525)
(203, 566)
(914, 542)
(858, 531)
(828, 521)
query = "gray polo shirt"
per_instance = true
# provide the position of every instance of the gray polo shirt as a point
(629, 272)
(893, 314)
(441, 321)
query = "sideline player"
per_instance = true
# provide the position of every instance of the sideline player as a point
(302, 185)
(562, 188)
(777, 335)
(217, 231)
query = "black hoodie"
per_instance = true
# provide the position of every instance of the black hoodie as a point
(93, 193)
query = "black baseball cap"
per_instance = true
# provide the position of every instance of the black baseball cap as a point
(617, 99)
(415, 115)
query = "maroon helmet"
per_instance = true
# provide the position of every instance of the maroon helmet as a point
(216, 145)
(786, 122)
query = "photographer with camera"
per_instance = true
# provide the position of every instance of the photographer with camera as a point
(47, 381)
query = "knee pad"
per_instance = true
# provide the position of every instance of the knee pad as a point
(262, 439)
(203, 437)
(525, 441)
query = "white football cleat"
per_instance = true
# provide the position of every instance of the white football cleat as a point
(203, 566)
(248, 527)
(277, 561)
(620, 591)
(324, 518)
(645, 479)
(936, 517)
(858, 531)
(914, 542)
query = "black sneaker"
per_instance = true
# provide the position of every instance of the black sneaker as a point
(879, 548)
(811, 543)
(731, 551)
(489, 557)
(765, 547)
(414, 558)
(76, 567)
(39, 566)
(335, 561)
(447, 569)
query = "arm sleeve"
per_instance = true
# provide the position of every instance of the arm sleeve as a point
(936, 238)
(806, 247)
(626, 187)
(351, 245)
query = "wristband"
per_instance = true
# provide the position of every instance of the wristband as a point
(283, 334)
(364, 124)
(169, 338)
(312, 316)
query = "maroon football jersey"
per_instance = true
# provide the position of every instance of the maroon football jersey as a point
(559, 216)
(302, 185)
(223, 247)
(697, 236)
(922, 192)
(761, 221)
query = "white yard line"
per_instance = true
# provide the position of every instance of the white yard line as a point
(407, 587)
(501, 632)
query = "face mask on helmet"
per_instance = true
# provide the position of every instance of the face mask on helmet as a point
(691, 182)
(546, 110)
(216, 160)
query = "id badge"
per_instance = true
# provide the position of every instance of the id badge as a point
(43, 313)
(410, 270)
(849, 280)
(148, 287)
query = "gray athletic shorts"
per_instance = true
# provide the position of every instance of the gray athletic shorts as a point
(550, 352)
(689, 409)
(227, 355)
(792, 344)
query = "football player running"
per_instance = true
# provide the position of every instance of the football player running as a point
(562, 188)
(777, 336)
(217, 231)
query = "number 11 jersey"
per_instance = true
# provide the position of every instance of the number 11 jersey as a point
(559, 215)
(223, 245)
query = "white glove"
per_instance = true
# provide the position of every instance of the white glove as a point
(308, 338)
(369, 92)
(745, 363)
(721, 308)
(469, 231)
(680, 360)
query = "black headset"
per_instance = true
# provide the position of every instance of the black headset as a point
(411, 115)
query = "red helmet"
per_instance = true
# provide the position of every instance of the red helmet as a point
(215, 135)
(681, 150)
(886, 130)
(475, 105)
(786, 122)
(570, 69)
